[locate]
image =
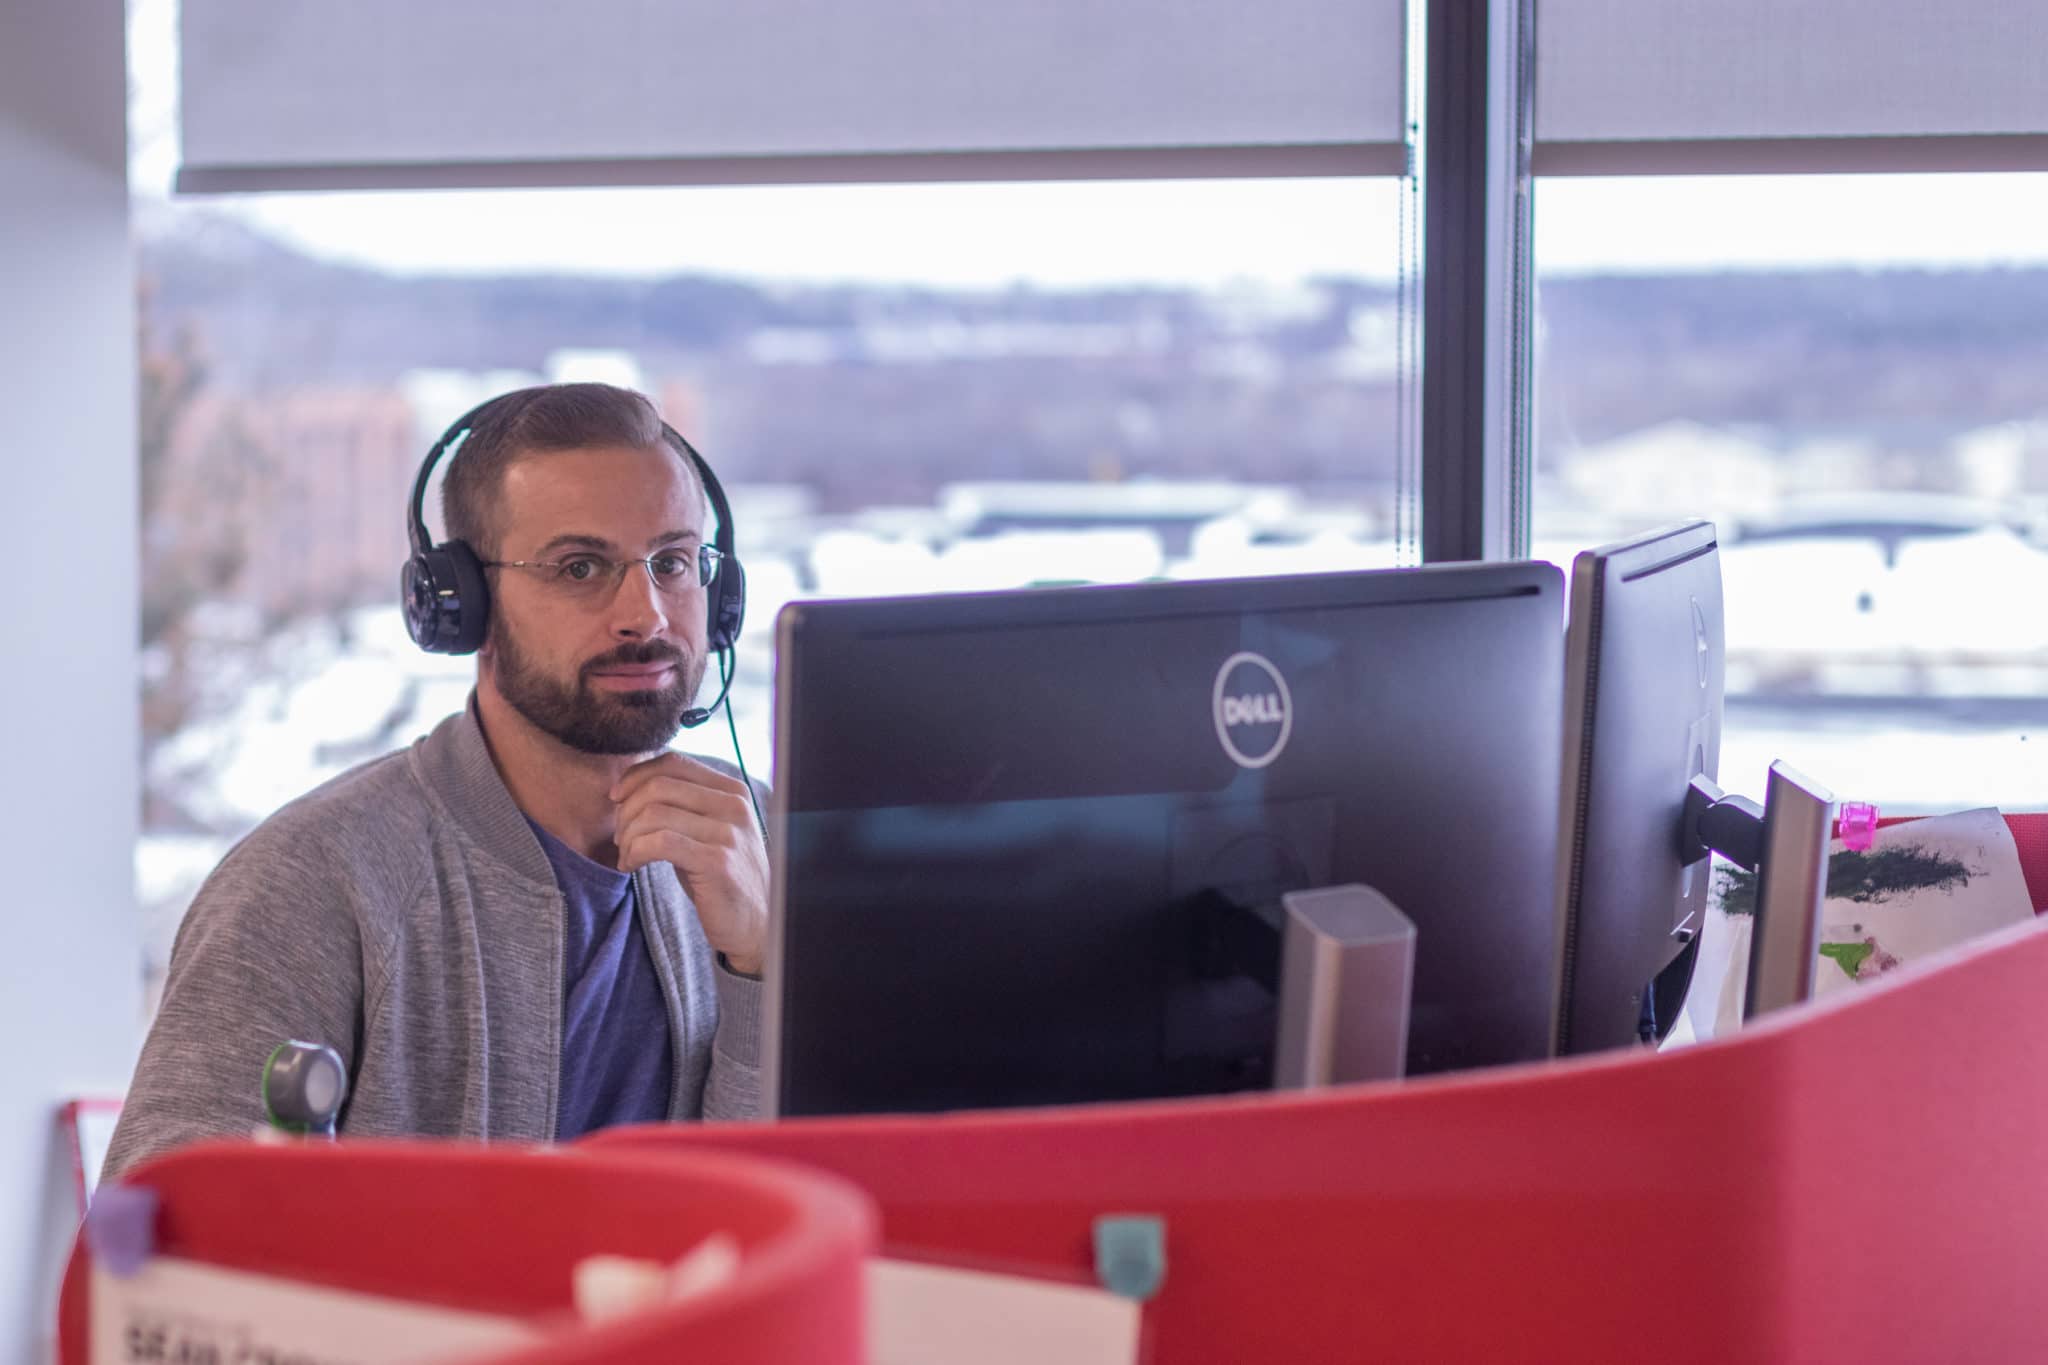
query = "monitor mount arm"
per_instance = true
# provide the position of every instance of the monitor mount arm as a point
(1715, 822)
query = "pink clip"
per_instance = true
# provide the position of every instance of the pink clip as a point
(1856, 826)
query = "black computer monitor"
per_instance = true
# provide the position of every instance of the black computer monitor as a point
(1029, 845)
(1644, 673)
(1641, 811)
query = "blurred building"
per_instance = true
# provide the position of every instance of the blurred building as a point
(308, 487)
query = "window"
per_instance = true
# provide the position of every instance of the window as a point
(1849, 375)
(903, 389)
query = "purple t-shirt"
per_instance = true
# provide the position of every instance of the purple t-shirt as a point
(618, 1062)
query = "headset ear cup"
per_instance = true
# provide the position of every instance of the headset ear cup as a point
(474, 593)
(447, 602)
(728, 605)
(416, 598)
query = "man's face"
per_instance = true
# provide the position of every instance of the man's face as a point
(610, 669)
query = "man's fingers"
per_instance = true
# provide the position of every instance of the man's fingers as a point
(687, 797)
(704, 830)
(674, 767)
(660, 845)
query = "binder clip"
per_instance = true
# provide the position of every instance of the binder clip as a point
(1130, 1254)
(1856, 825)
(120, 1227)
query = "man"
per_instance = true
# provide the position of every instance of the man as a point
(537, 920)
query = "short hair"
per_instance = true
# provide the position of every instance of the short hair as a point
(547, 417)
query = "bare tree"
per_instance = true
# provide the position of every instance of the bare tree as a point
(200, 470)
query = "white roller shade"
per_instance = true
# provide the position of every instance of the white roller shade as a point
(1643, 86)
(371, 93)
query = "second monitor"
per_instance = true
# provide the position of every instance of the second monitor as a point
(1645, 671)
(1029, 846)
(1640, 809)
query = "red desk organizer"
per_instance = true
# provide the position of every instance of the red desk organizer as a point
(499, 1230)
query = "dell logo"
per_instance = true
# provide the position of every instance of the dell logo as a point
(1263, 710)
(1253, 712)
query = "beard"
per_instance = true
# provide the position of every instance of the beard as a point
(589, 721)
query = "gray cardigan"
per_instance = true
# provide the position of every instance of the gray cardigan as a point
(405, 915)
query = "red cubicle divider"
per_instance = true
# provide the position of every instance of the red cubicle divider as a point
(499, 1230)
(1857, 1180)
(2030, 835)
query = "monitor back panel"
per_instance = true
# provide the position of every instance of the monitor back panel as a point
(1028, 845)
(1644, 683)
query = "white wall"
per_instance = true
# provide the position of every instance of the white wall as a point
(70, 979)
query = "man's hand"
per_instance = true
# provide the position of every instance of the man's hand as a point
(676, 810)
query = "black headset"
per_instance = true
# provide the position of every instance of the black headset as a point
(447, 602)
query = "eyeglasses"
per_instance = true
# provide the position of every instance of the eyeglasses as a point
(590, 577)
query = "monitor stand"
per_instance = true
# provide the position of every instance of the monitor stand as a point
(1347, 972)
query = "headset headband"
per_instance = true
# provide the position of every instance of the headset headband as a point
(459, 431)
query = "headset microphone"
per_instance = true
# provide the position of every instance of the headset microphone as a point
(697, 715)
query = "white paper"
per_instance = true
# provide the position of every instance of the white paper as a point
(1934, 884)
(193, 1314)
(1909, 917)
(178, 1312)
(937, 1315)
